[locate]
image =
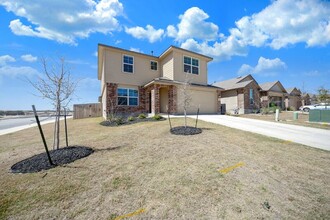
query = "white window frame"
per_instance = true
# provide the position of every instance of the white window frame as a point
(123, 69)
(128, 97)
(191, 65)
(154, 62)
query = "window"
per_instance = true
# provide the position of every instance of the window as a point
(128, 62)
(127, 96)
(153, 65)
(190, 65)
(251, 97)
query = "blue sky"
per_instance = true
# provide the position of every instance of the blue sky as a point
(283, 40)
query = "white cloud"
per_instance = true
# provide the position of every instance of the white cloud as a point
(6, 59)
(136, 50)
(64, 21)
(193, 25)
(89, 83)
(29, 58)
(219, 50)
(286, 22)
(282, 23)
(149, 33)
(264, 67)
(13, 71)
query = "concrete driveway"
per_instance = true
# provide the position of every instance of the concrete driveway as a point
(314, 137)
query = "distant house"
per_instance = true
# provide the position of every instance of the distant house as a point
(133, 82)
(293, 99)
(240, 93)
(306, 99)
(272, 93)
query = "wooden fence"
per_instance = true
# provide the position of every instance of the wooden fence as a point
(87, 110)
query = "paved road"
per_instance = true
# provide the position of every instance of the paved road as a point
(314, 137)
(16, 124)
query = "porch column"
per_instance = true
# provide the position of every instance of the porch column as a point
(172, 96)
(155, 104)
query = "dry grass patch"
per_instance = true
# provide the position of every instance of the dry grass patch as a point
(143, 166)
(287, 118)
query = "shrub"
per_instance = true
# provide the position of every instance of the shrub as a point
(265, 111)
(157, 117)
(142, 116)
(119, 121)
(130, 118)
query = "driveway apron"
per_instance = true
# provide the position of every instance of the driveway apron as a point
(313, 137)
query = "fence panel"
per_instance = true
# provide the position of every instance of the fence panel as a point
(87, 110)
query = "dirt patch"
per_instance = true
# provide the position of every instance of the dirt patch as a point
(182, 130)
(59, 157)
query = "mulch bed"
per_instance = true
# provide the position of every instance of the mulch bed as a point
(126, 122)
(182, 130)
(59, 157)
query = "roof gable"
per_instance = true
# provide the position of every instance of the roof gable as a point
(235, 83)
(273, 86)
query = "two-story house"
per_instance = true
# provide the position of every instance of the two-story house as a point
(133, 82)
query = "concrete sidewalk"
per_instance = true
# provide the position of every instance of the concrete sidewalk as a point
(31, 125)
(314, 137)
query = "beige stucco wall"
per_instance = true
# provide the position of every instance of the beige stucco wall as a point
(230, 99)
(163, 99)
(179, 75)
(104, 103)
(142, 72)
(167, 67)
(205, 99)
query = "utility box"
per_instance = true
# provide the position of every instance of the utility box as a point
(295, 115)
(317, 115)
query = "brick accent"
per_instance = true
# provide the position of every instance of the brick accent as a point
(154, 91)
(172, 99)
(111, 101)
(248, 108)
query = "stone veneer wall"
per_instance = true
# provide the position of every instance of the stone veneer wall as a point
(112, 101)
(256, 96)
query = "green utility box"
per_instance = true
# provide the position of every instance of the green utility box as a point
(317, 115)
(295, 115)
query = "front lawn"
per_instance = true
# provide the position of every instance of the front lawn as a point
(143, 171)
(287, 117)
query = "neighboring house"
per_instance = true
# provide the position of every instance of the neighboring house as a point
(293, 99)
(306, 99)
(133, 82)
(241, 93)
(272, 93)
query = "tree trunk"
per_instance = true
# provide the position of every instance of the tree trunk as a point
(185, 117)
(57, 128)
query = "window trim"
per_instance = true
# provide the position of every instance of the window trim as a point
(191, 64)
(156, 66)
(122, 66)
(128, 97)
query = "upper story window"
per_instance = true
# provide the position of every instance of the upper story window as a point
(128, 97)
(190, 65)
(153, 65)
(128, 63)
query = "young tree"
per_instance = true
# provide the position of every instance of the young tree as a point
(58, 86)
(323, 95)
(186, 97)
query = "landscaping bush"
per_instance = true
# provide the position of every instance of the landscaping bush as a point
(130, 118)
(119, 121)
(157, 117)
(142, 116)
